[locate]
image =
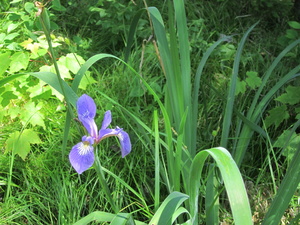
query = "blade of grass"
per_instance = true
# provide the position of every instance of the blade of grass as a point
(247, 132)
(196, 87)
(157, 164)
(212, 198)
(164, 214)
(231, 92)
(233, 181)
(285, 192)
(104, 217)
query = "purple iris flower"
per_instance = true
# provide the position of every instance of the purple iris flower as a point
(82, 154)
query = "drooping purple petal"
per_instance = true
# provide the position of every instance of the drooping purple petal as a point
(106, 120)
(86, 109)
(123, 137)
(125, 143)
(82, 155)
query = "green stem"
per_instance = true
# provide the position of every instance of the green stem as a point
(103, 182)
(45, 22)
(10, 175)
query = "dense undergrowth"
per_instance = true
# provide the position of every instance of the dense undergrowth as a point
(38, 184)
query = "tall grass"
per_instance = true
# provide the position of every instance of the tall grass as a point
(181, 167)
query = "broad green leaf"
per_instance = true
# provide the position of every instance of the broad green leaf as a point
(19, 143)
(240, 87)
(103, 217)
(32, 114)
(294, 24)
(4, 62)
(86, 80)
(40, 90)
(252, 79)
(73, 62)
(19, 60)
(292, 96)
(164, 214)
(11, 27)
(291, 34)
(277, 115)
(6, 97)
(29, 7)
(11, 36)
(289, 142)
(233, 183)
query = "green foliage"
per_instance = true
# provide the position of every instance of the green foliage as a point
(276, 116)
(252, 81)
(289, 142)
(291, 34)
(165, 158)
(281, 113)
(19, 142)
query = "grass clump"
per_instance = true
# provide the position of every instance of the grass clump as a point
(194, 77)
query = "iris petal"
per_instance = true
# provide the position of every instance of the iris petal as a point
(106, 120)
(125, 143)
(82, 155)
(123, 137)
(86, 109)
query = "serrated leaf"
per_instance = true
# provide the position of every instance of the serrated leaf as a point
(291, 146)
(240, 87)
(277, 116)
(19, 60)
(19, 143)
(6, 97)
(4, 62)
(294, 24)
(32, 115)
(40, 91)
(292, 96)
(253, 80)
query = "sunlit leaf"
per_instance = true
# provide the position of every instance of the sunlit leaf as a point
(4, 62)
(86, 80)
(32, 114)
(19, 143)
(19, 60)
(6, 97)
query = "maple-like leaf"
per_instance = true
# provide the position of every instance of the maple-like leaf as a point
(32, 115)
(252, 79)
(292, 96)
(277, 115)
(19, 142)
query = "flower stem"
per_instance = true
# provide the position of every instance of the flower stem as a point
(104, 183)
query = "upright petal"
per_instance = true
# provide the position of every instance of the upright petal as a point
(86, 109)
(106, 120)
(82, 155)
